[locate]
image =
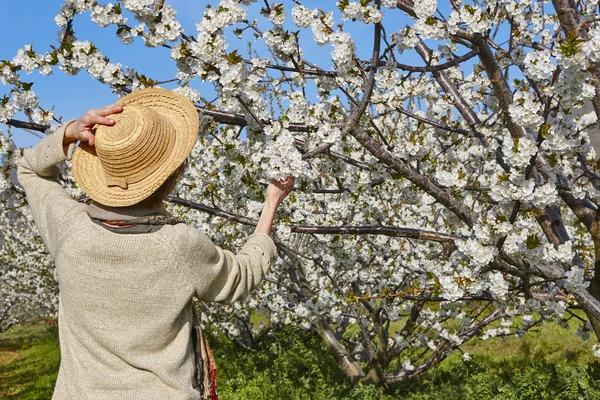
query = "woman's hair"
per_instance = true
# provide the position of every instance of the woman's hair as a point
(166, 188)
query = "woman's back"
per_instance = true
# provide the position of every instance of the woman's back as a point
(125, 315)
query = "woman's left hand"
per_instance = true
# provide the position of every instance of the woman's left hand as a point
(82, 128)
(278, 190)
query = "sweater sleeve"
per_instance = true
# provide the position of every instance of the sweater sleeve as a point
(52, 208)
(221, 276)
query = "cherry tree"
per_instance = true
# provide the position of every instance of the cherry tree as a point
(445, 178)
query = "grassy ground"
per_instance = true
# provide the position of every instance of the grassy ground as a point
(29, 360)
(549, 363)
(545, 343)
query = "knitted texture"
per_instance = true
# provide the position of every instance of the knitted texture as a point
(125, 313)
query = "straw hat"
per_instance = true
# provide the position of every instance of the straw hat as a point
(130, 160)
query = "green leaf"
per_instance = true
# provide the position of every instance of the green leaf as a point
(503, 177)
(430, 21)
(544, 129)
(470, 9)
(342, 4)
(532, 242)
(570, 46)
(26, 85)
(234, 58)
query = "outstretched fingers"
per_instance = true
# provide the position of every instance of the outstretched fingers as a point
(99, 116)
(90, 119)
(286, 184)
(110, 109)
(93, 118)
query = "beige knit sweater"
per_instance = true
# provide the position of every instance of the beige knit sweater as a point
(125, 312)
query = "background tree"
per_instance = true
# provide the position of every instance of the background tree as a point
(446, 183)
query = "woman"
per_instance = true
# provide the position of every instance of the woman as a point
(127, 272)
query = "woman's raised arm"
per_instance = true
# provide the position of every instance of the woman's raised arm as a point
(276, 192)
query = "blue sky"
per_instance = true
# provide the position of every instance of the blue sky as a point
(72, 96)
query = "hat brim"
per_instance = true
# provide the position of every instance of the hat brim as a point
(89, 173)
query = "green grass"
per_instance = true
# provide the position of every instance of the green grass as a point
(29, 360)
(547, 342)
(549, 363)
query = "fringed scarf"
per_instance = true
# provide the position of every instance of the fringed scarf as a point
(206, 369)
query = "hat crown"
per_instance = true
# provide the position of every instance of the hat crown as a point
(159, 123)
(135, 146)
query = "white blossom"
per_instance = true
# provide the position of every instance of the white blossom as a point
(538, 64)
(525, 110)
(425, 8)
(405, 38)
(596, 350)
(407, 365)
(343, 51)
(189, 92)
(322, 28)
(498, 285)
(106, 15)
(357, 11)
(303, 16)
(576, 279)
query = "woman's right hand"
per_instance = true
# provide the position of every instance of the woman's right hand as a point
(82, 128)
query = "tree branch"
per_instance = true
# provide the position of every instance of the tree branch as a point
(27, 125)
(499, 85)
(393, 231)
(432, 123)
(347, 362)
(435, 68)
(423, 182)
(442, 78)
(441, 352)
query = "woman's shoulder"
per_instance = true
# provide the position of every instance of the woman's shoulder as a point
(186, 237)
(190, 245)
